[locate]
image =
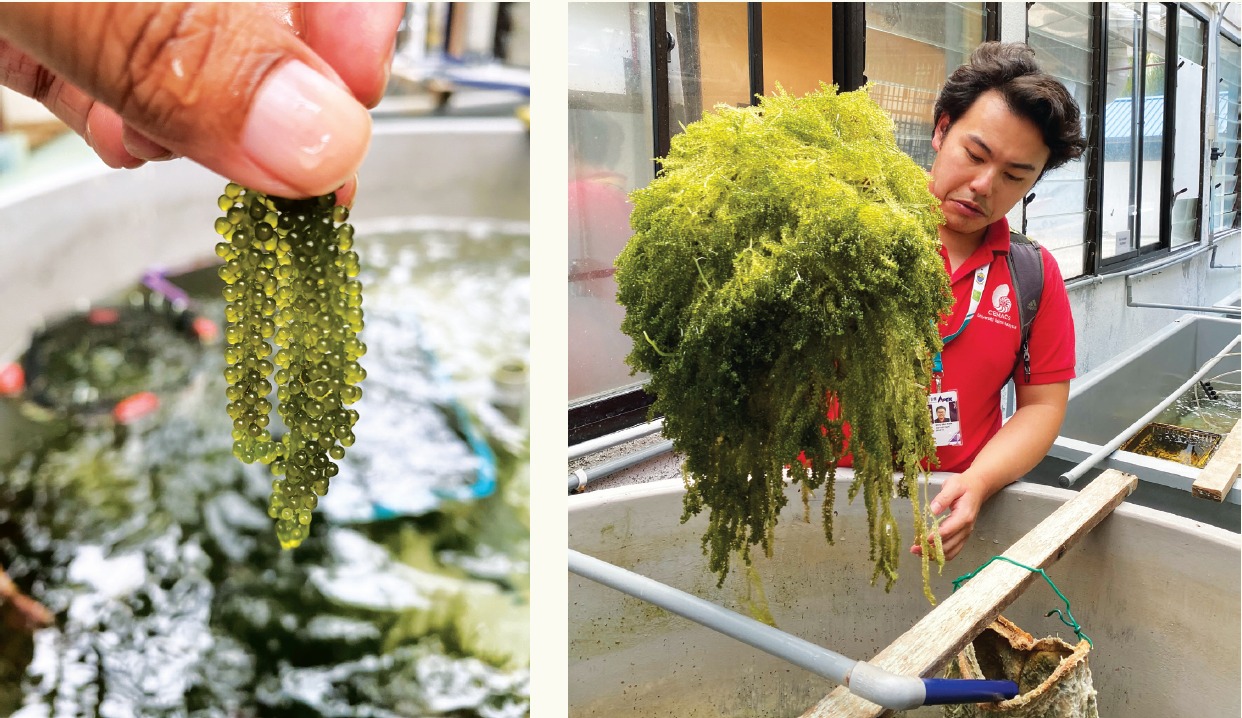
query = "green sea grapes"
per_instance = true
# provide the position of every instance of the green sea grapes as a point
(290, 270)
(249, 271)
(785, 260)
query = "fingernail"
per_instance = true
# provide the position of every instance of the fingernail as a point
(143, 148)
(305, 130)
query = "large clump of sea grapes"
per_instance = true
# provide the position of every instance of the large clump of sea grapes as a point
(290, 271)
(785, 261)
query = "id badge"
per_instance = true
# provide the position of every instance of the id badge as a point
(946, 423)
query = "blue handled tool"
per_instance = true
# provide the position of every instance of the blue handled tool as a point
(942, 691)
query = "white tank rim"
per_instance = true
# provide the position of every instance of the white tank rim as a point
(1018, 489)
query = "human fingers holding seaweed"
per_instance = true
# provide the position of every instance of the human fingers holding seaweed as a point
(963, 496)
(271, 95)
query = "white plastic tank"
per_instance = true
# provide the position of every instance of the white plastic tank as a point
(1158, 594)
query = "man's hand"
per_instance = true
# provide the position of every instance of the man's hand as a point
(270, 95)
(963, 495)
(1019, 445)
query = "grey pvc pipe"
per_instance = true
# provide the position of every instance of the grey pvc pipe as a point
(577, 451)
(1212, 263)
(1228, 311)
(1069, 477)
(582, 477)
(874, 684)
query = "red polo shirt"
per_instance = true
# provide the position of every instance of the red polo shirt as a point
(984, 356)
(979, 362)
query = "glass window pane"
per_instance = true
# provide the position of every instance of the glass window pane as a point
(1225, 170)
(1188, 130)
(685, 89)
(1117, 220)
(1153, 125)
(1069, 260)
(1192, 38)
(610, 150)
(1062, 235)
(710, 60)
(911, 50)
(797, 46)
(1060, 34)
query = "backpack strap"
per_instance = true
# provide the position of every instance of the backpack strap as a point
(1026, 269)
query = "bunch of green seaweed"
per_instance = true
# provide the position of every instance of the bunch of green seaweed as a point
(290, 272)
(784, 261)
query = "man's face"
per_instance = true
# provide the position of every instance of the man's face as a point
(985, 163)
(940, 413)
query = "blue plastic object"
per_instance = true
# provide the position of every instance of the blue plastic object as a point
(943, 691)
(484, 484)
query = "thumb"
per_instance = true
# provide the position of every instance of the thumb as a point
(949, 493)
(226, 85)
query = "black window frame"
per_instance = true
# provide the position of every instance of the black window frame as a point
(1224, 32)
(1204, 180)
(1092, 198)
(1093, 263)
(1139, 254)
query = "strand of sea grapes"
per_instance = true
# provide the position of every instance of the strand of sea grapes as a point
(319, 317)
(247, 228)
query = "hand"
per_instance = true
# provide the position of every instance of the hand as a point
(271, 95)
(963, 495)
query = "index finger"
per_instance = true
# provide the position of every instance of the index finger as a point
(954, 523)
(357, 40)
(226, 85)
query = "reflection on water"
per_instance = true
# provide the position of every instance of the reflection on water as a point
(1174, 443)
(150, 544)
(1191, 429)
(1196, 409)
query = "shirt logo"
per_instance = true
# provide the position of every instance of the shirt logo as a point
(1000, 299)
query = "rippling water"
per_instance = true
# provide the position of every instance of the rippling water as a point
(150, 544)
(1195, 410)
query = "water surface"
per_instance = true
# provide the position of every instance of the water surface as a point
(150, 544)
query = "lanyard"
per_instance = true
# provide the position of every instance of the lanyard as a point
(976, 294)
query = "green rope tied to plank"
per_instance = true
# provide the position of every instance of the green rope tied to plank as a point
(1072, 623)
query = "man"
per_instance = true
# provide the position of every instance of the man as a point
(1000, 124)
(942, 415)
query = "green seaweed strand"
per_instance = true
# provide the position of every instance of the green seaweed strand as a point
(786, 255)
(291, 271)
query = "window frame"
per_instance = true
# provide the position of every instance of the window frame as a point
(628, 405)
(1140, 254)
(1212, 236)
(1204, 180)
(1093, 197)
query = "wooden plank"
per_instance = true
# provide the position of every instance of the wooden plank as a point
(927, 647)
(1222, 469)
